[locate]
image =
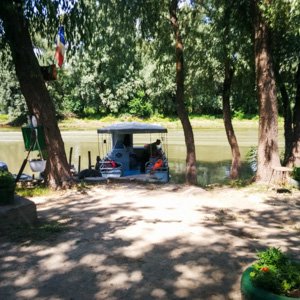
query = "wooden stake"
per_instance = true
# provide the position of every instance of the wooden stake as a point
(90, 162)
(70, 156)
(79, 163)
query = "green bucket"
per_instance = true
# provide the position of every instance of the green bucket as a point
(29, 138)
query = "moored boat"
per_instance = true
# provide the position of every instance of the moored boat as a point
(125, 153)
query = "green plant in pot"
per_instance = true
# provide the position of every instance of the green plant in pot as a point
(273, 276)
(295, 177)
(296, 173)
(7, 187)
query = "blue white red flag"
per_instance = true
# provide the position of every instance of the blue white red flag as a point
(60, 46)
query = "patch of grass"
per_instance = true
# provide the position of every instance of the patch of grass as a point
(206, 117)
(94, 120)
(33, 191)
(3, 118)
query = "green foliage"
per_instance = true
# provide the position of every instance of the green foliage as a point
(3, 118)
(240, 115)
(32, 192)
(7, 187)
(140, 106)
(12, 101)
(296, 173)
(6, 180)
(123, 48)
(276, 272)
(251, 157)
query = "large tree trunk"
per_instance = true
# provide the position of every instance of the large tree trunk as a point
(267, 153)
(191, 168)
(294, 160)
(287, 115)
(236, 156)
(34, 90)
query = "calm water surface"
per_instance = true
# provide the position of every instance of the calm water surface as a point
(212, 150)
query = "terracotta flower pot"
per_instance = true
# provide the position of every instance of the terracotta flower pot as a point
(250, 292)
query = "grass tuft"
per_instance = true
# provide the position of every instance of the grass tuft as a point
(33, 191)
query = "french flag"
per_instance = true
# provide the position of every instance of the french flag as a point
(60, 46)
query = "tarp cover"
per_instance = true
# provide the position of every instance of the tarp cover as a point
(132, 127)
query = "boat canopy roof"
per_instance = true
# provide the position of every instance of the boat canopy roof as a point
(132, 127)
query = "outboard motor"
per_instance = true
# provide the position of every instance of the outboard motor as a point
(3, 166)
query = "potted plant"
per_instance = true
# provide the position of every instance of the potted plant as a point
(295, 177)
(7, 187)
(273, 276)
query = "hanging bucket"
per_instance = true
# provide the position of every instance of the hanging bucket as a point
(37, 165)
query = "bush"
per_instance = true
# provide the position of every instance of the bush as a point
(7, 187)
(296, 173)
(276, 272)
(6, 180)
(140, 106)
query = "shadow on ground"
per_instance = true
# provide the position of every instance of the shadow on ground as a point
(145, 245)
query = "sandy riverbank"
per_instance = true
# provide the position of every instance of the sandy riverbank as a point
(130, 241)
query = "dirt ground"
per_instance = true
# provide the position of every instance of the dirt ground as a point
(130, 241)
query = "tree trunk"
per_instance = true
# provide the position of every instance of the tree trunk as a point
(34, 90)
(267, 152)
(295, 157)
(228, 76)
(236, 156)
(287, 115)
(191, 168)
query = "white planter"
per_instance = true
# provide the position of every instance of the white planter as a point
(37, 165)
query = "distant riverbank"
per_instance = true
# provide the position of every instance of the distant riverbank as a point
(93, 123)
(86, 124)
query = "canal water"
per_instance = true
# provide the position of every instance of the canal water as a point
(212, 150)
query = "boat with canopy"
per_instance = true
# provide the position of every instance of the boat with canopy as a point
(133, 149)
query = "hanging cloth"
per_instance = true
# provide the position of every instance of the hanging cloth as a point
(60, 46)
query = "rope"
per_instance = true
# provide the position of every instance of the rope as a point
(36, 143)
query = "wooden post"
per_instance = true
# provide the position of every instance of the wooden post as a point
(79, 163)
(70, 156)
(90, 162)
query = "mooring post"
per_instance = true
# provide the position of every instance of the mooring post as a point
(79, 163)
(90, 162)
(70, 156)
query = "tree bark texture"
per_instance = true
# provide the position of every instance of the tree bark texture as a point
(34, 90)
(236, 156)
(268, 154)
(191, 168)
(287, 115)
